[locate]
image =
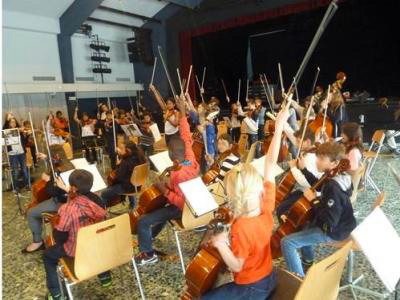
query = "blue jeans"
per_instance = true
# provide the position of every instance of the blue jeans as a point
(150, 225)
(112, 191)
(15, 160)
(252, 139)
(303, 240)
(259, 290)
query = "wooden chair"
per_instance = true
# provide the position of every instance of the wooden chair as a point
(68, 150)
(99, 248)
(321, 282)
(161, 145)
(138, 178)
(222, 128)
(356, 179)
(242, 149)
(189, 222)
(371, 156)
(252, 152)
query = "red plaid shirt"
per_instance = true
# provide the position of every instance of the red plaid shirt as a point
(76, 213)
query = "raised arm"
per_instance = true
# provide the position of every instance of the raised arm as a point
(76, 119)
(158, 97)
(184, 130)
(273, 151)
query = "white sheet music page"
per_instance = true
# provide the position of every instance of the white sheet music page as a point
(79, 163)
(155, 132)
(198, 197)
(161, 161)
(381, 245)
(98, 181)
(259, 164)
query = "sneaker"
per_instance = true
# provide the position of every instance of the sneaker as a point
(306, 264)
(143, 259)
(106, 280)
(58, 297)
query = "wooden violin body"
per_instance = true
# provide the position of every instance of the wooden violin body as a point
(213, 172)
(204, 268)
(317, 124)
(269, 130)
(39, 194)
(150, 200)
(285, 186)
(198, 145)
(300, 212)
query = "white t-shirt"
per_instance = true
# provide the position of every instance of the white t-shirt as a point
(169, 128)
(310, 162)
(88, 130)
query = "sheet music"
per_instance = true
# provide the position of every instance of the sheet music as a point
(98, 182)
(161, 161)
(131, 130)
(251, 124)
(198, 197)
(259, 164)
(381, 245)
(79, 163)
(12, 137)
(156, 132)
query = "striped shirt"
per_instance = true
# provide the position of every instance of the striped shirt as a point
(227, 165)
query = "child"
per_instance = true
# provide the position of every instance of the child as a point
(149, 225)
(146, 141)
(308, 160)
(87, 126)
(333, 217)
(248, 252)
(352, 140)
(337, 113)
(82, 208)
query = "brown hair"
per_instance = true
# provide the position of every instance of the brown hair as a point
(332, 150)
(308, 135)
(337, 101)
(354, 133)
(226, 137)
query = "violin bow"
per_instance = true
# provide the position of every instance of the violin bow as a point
(204, 77)
(271, 99)
(238, 97)
(46, 138)
(33, 131)
(167, 73)
(247, 90)
(315, 81)
(154, 71)
(113, 121)
(200, 89)
(266, 94)
(281, 78)
(326, 108)
(188, 80)
(226, 92)
(180, 80)
(332, 8)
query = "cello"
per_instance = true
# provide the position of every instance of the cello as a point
(150, 200)
(204, 268)
(300, 212)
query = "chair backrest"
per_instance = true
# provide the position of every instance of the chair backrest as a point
(160, 145)
(103, 246)
(139, 175)
(242, 144)
(29, 158)
(323, 279)
(68, 150)
(252, 152)
(356, 178)
(287, 285)
(377, 139)
(189, 221)
(379, 201)
(222, 129)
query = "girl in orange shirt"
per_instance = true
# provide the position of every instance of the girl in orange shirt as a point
(246, 250)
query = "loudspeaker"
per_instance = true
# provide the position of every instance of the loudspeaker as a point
(140, 47)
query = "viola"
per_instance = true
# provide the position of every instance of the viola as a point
(150, 200)
(204, 268)
(300, 213)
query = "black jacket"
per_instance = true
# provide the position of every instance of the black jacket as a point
(124, 171)
(58, 195)
(338, 117)
(334, 212)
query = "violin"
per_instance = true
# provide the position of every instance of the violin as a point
(198, 145)
(269, 130)
(213, 172)
(150, 200)
(300, 212)
(204, 268)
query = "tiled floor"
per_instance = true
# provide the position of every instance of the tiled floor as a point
(24, 278)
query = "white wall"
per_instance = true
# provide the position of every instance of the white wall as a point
(29, 47)
(113, 36)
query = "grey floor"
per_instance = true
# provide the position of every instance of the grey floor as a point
(24, 278)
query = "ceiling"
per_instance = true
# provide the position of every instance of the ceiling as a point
(46, 8)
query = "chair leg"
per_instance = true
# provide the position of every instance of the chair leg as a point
(138, 278)
(178, 244)
(68, 286)
(60, 282)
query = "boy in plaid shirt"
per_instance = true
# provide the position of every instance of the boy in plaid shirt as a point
(82, 208)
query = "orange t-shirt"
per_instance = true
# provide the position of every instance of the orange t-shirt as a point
(251, 240)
